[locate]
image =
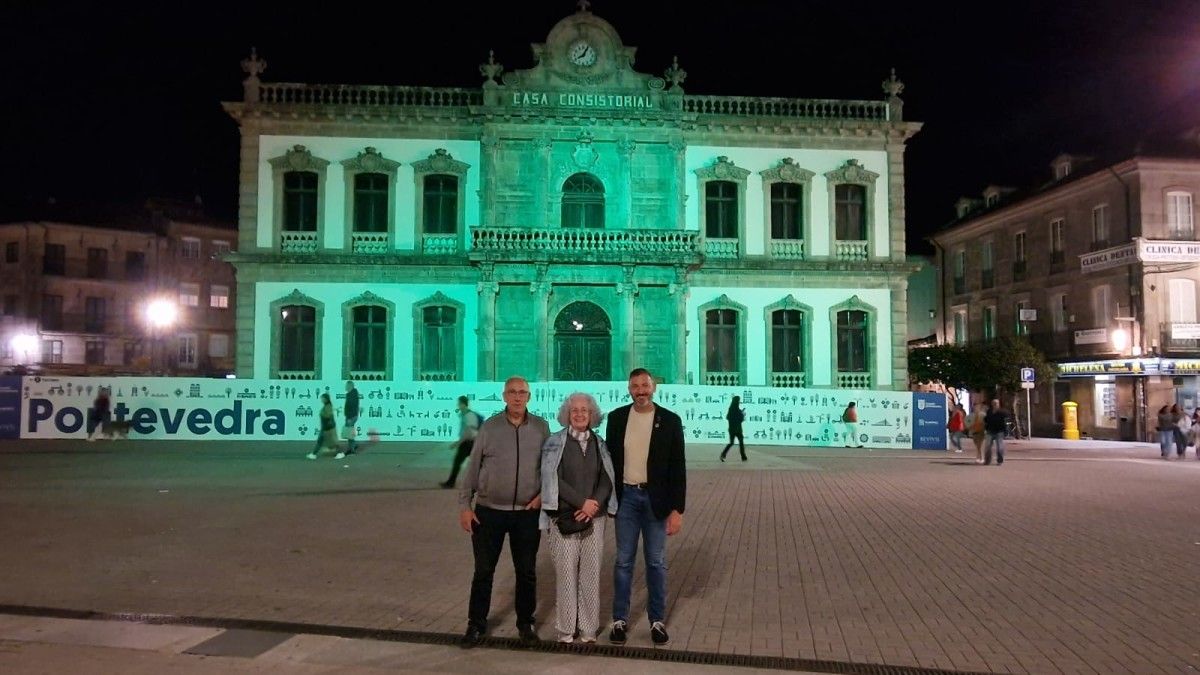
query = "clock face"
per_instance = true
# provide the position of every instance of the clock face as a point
(581, 53)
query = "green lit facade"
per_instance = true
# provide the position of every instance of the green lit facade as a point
(570, 221)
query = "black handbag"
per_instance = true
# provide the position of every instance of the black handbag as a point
(564, 519)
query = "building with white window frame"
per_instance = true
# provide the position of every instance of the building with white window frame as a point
(570, 221)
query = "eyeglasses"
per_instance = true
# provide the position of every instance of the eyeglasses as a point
(517, 392)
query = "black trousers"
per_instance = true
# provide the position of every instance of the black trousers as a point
(735, 434)
(487, 539)
(463, 452)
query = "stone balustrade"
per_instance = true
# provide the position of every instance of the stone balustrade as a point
(748, 106)
(369, 242)
(723, 379)
(296, 375)
(367, 95)
(568, 240)
(854, 380)
(721, 248)
(791, 380)
(439, 244)
(851, 250)
(368, 375)
(438, 376)
(298, 242)
(787, 249)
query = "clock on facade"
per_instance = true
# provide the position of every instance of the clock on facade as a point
(581, 53)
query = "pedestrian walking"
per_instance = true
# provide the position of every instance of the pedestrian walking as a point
(975, 427)
(956, 426)
(850, 420)
(326, 429)
(734, 416)
(1166, 431)
(350, 413)
(468, 426)
(100, 414)
(995, 425)
(1179, 433)
(577, 493)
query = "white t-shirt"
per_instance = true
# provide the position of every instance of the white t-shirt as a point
(637, 445)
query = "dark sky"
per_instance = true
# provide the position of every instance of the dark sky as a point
(119, 101)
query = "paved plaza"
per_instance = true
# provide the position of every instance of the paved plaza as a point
(1069, 558)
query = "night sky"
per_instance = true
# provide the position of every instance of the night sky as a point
(120, 101)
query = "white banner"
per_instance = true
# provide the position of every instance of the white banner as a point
(1109, 257)
(275, 410)
(1168, 251)
(1185, 331)
(1091, 336)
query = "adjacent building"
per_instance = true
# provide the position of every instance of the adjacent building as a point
(1098, 267)
(570, 221)
(75, 294)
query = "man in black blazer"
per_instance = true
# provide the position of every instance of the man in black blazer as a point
(646, 443)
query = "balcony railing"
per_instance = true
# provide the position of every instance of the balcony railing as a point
(721, 248)
(791, 380)
(1176, 345)
(854, 380)
(743, 106)
(367, 95)
(298, 242)
(438, 376)
(369, 242)
(723, 379)
(368, 375)
(850, 250)
(296, 375)
(439, 244)
(787, 249)
(1018, 270)
(576, 241)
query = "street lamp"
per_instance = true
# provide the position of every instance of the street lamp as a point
(161, 314)
(1120, 340)
(22, 344)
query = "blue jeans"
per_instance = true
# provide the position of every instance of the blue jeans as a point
(994, 440)
(1165, 439)
(635, 517)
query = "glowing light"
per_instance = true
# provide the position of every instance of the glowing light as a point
(1120, 339)
(161, 313)
(23, 344)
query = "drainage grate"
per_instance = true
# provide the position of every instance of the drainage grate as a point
(450, 639)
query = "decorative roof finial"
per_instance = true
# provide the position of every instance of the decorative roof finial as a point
(253, 67)
(491, 70)
(675, 75)
(893, 87)
(583, 5)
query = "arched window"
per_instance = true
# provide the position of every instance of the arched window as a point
(300, 201)
(297, 338)
(583, 202)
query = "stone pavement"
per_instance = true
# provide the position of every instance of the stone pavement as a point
(1071, 558)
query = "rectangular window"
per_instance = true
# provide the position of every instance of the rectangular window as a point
(853, 352)
(1182, 298)
(960, 327)
(187, 351)
(787, 219)
(440, 209)
(95, 315)
(1106, 404)
(989, 322)
(1100, 227)
(189, 295)
(439, 345)
(369, 348)
(850, 212)
(1019, 256)
(55, 261)
(721, 209)
(787, 333)
(218, 296)
(135, 266)
(131, 352)
(189, 248)
(370, 202)
(1057, 251)
(220, 248)
(1058, 312)
(12, 252)
(720, 340)
(52, 312)
(52, 351)
(1022, 327)
(97, 263)
(300, 201)
(987, 265)
(10, 305)
(1101, 305)
(960, 271)
(1179, 215)
(218, 346)
(93, 352)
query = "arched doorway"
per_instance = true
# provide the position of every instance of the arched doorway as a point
(582, 343)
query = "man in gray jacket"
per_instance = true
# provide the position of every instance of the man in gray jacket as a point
(504, 480)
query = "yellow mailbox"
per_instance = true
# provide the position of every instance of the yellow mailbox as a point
(1070, 420)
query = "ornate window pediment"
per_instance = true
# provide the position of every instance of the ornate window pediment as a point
(851, 172)
(370, 161)
(299, 158)
(787, 172)
(723, 169)
(441, 161)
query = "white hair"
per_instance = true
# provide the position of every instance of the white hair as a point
(594, 414)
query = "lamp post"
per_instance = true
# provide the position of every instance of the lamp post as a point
(161, 314)
(22, 345)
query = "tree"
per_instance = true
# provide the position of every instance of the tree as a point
(945, 365)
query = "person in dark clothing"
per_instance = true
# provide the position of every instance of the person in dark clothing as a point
(995, 425)
(351, 415)
(468, 426)
(101, 414)
(734, 416)
(327, 432)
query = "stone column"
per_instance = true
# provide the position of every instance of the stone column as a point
(899, 313)
(488, 290)
(543, 190)
(679, 291)
(490, 146)
(541, 291)
(895, 178)
(625, 148)
(628, 291)
(678, 192)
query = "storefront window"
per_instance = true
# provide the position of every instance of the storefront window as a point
(1106, 404)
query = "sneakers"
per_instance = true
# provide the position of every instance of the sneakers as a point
(617, 634)
(658, 634)
(311, 455)
(470, 638)
(566, 639)
(340, 455)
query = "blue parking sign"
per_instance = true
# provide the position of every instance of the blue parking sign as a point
(1027, 375)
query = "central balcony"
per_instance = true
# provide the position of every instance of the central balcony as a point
(521, 243)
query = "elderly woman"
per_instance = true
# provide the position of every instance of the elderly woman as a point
(577, 490)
